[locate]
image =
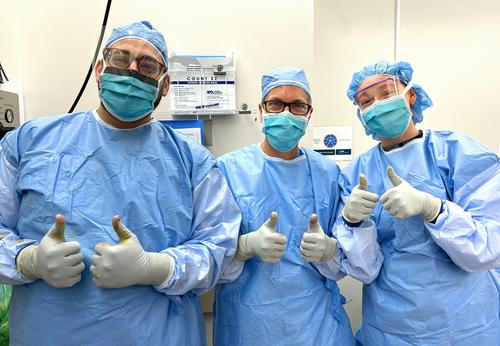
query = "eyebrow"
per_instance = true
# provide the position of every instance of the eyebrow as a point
(280, 100)
(384, 86)
(147, 53)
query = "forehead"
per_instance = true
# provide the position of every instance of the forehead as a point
(373, 79)
(138, 47)
(288, 93)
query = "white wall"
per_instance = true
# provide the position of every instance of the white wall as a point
(10, 50)
(454, 47)
(9, 38)
(57, 48)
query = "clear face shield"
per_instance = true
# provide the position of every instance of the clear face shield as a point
(382, 90)
(383, 106)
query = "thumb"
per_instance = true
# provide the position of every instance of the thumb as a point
(123, 232)
(363, 183)
(393, 177)
(272, 221)
(313, 224)
(57, 230)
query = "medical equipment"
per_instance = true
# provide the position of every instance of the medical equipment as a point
(9, 112)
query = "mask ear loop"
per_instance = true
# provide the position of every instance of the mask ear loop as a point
(360, 116)
(310, 110)
(407, 88)
(161, 85)
(403, 93)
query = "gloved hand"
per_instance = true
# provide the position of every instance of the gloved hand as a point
(126, 263)
(266, 243)
(360, 203)
(55, 261)
(316, 246)
(404, 201)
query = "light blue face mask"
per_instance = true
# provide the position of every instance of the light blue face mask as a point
(284, 130)
(126, 94)
(388, 118)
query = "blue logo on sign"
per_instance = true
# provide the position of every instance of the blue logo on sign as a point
(214, 92)
(330, 140)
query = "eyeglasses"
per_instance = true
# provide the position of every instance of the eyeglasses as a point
(296, 108)
(122, 59)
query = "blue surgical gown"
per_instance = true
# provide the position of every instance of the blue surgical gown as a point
(169, 192)
(436, 284)
(291, 302)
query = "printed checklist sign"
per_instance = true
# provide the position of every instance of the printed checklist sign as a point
(202, 84)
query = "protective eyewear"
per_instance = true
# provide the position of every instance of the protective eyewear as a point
(377, 91)
(296, 108)
(122, 59)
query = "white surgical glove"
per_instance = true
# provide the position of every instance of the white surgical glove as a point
(360, 203)
(266, 243)
(126, 263)
(316, 246)
(404, 201)
(55, 261)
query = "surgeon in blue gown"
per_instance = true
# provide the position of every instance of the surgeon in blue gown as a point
(437, 219)
(82, 276)
(286, 260)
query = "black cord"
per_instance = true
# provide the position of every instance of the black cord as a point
(2, 72)
(96, 53)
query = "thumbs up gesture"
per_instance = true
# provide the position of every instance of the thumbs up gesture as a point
(266, 242)
(126, 263)
(360, 203)
(55, 261)
(404, 201)
(316, 246)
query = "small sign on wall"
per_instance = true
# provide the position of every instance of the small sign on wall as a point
(190, 128)
(333, 141)
(202, 84)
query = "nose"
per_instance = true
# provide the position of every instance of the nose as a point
(134, 65)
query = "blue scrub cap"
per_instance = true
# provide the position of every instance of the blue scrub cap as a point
(404, 72)
(143, 30)
(287, 75)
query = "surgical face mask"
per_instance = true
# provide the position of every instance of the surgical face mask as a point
(284, 130)
(127, 95)
(388, 118)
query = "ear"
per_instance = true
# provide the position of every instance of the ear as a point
(166, 85)
(260, 112)
(412, 97)
(98, 69)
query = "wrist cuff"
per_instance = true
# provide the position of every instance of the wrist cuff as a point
(434, 208)
(242, 252)
(351, 224)
(441, 209)
(25, 262)
(161, 268)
